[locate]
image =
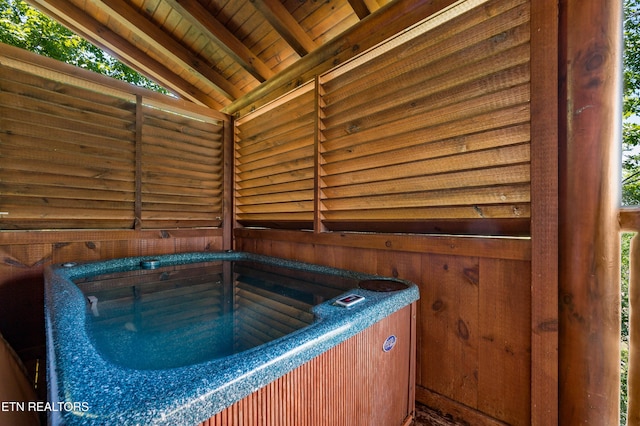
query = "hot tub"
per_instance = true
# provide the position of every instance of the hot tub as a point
(238, 337)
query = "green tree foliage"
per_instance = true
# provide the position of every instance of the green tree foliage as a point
(27, 28)
(630, 168)
(631, 104)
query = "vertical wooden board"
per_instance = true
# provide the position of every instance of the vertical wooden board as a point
(76, 251)
(304, 253)
(28, 256)
(354, 259)
(406, 266)
(162, 245)
(264, 247)
(283, 249)
(544, 211)
(113, 249)
(206, 243)
(449, 330)
(246, 244)
(504, 358)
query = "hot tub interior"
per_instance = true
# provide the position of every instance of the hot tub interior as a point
(142, 317)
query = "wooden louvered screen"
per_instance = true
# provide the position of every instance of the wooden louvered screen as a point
(275, 162)
(75, 154)
(181, 171)
(68, 155)
(427, 132)
(433, 126)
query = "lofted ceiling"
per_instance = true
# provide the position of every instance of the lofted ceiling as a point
(211, 52)
(225, 54)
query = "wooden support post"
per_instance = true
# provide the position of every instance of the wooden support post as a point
(544, 212)
(228, 203)
(137, 205)
(589, 259)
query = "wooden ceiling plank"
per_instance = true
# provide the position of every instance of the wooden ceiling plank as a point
(360, 8)
(380, 25)
(162, 42)
(76, 20)
(202, 19)
(286, 25)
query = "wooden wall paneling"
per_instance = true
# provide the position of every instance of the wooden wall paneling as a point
(504, 344)
(204, 243)
(65, 251)
(353, 259)
(457, 302)
(449, 328)
(491, 247)
(400, 265)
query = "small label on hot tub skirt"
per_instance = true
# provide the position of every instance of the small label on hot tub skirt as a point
(389, 343)
(349, 300)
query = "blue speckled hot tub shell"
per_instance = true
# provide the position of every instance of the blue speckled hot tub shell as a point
(190, 394)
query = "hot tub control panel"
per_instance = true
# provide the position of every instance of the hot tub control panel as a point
(349, 300)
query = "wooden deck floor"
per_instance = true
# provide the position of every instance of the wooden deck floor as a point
(425, 416)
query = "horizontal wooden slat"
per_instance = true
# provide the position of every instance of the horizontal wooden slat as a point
(478, 177)
(257, 187)
(282, 161)
(460, 37)
(188, 122)
(181, 134)
(282, 172)
(410, 198)
(306, 195)
(285, 128)
(295, 206)
(29, 128)
(464, 212)
(386, 105)
(173, 223)
(277, 217)
(78, 126)
(95, 210)
(289, 142)
(493, 102)
(37, 87)
(467, 161)
(65, 224)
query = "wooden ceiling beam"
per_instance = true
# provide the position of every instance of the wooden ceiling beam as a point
(202, 19)
(375, 28)
(360, 8)
(286, 25)
(82, 24)
(159, 40)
